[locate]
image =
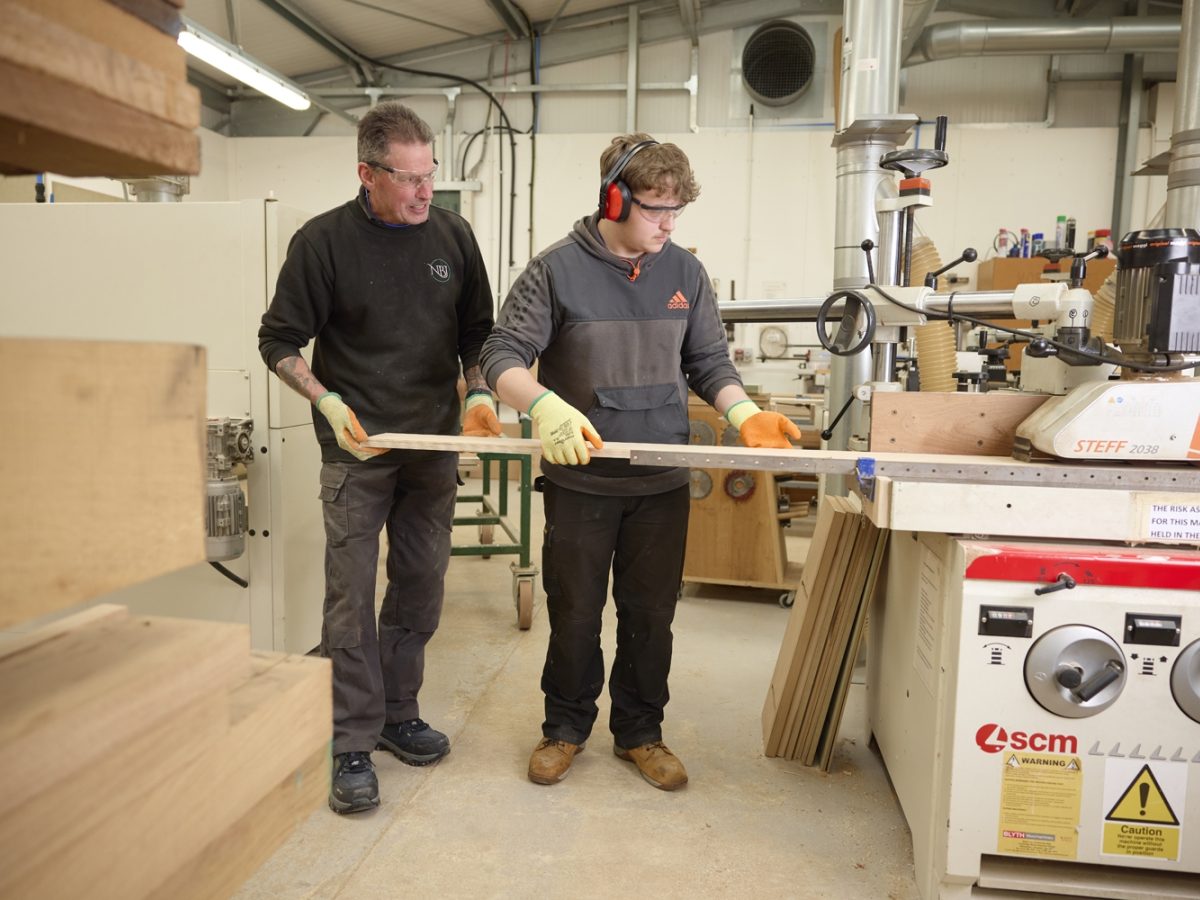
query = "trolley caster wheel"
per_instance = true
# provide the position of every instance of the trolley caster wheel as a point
(787, 598)
(487, 535)
(523, 597)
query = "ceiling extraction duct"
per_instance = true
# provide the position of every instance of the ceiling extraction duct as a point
(1024, 37)
(1183, 174)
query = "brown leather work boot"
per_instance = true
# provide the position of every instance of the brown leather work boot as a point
(551, 760)
(658, 765)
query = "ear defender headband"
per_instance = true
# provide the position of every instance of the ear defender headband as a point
(616, 200)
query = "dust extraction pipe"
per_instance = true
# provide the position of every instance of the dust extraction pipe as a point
(1024, 37)
(1183, 174)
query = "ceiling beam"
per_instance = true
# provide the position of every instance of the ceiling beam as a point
(302, 21)
(512, 17)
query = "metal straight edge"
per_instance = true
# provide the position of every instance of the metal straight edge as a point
(1164, 478)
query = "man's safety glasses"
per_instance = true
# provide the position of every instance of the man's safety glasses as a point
(407, 179)
(658, 213)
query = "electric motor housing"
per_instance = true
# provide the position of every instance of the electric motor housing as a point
(1158, 292)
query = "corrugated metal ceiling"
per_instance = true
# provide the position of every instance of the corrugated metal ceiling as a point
(375, 28)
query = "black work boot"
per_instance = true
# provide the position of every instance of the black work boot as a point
(414, 742)
(354, 786)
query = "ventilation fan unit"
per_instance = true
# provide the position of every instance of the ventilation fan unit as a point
(776, 68)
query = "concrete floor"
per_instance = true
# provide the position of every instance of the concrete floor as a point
(474, 826)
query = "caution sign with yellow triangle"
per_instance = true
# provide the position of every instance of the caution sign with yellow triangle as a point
(1142, 822)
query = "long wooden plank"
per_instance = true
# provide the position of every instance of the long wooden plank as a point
(71, 700)
(101, 21)
(119, 497)
(700, 456)
(280, 718)
(47, 124)
(42, 45)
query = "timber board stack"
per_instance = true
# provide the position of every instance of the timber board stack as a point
(804, 703)
(140, 756)
(92, 87)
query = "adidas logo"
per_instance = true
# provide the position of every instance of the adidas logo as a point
(678, 301)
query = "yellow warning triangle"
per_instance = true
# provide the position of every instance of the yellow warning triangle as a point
(1144, 802)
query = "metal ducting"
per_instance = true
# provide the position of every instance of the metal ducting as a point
(1183, 174)
(778, 63)
(1023, 37)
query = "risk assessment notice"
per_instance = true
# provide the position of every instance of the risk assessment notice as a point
(1170, 518)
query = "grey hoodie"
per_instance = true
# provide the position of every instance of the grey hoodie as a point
(620, 341)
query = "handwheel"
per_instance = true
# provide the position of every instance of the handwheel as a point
(523, 595)
(787, 598)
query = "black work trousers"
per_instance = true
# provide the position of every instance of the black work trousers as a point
(643, 540)
(377, 671)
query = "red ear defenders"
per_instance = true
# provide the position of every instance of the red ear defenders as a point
(616, 200)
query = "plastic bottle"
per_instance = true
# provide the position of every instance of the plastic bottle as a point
(1024, 243)
(1070, 244)
(1060, 232)
(1104, 236)
(1038, 244)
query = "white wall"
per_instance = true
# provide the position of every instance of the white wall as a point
(764, 221)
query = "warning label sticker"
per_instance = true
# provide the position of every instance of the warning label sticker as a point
(1039, 805)
(1144, 808)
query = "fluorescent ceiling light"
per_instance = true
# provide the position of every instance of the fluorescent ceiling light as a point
(220, 54)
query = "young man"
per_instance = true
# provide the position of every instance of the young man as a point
(394, 294)
(624, 323)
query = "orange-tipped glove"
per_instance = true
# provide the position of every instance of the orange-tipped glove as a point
(346, 429)
(479, 417)
(563, 430)
(761, 429)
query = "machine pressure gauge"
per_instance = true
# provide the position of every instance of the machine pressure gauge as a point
(773, 342)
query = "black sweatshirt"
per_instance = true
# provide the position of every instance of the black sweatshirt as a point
(393, 312)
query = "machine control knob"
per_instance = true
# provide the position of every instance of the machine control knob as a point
(1113, 669)
(1063, 582)
(1075, 671)
(1069, 676)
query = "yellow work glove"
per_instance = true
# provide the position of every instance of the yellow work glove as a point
(346, 429)
(761, 429)
(563, 429)
(479, 417)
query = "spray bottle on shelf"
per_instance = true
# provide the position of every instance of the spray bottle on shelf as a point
(1060, 232)
(1024, 243)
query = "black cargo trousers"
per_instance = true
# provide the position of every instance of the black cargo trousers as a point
(642, 539)
(377, 672)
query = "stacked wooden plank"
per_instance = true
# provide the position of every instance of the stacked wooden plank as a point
(89, 87)
(804, 702)
(139, 756)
